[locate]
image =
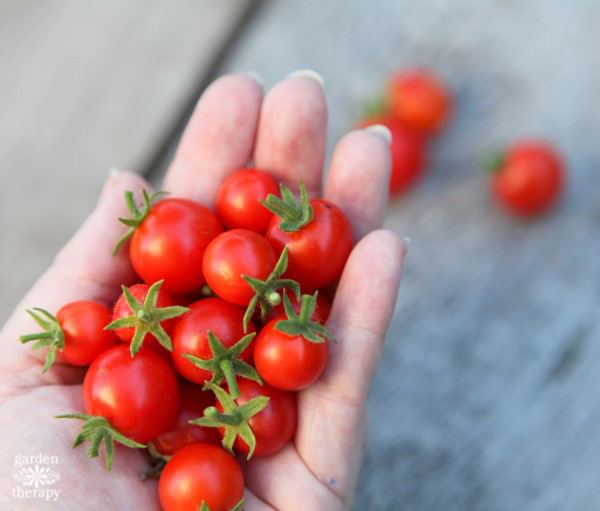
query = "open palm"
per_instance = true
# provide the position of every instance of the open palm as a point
(284, 133)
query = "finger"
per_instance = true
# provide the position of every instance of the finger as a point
(292, 130)
(285, 482)
(253, 503)
(83, 270)
(218, 139)
(332, 430)
(359, 177)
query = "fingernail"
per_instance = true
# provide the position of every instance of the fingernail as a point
(113, 172)
(308, 73)
(257, 77)
(407, 242)
(382, 131)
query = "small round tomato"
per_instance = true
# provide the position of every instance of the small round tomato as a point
(190, 335)
(234, 254)
(237, 201)
(274, 426)
(530, 178)
(318, 251)
(288, 362)
(192, 402)
(408, 153)
(122, 310)
(170, 244)
(201, 473)
(139, 396)
(83, 326)
(419, 99)
(320, 314)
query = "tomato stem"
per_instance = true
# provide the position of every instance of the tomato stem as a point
(234, 420)
(146, 318)
(229, 373)
(301, 324)
(137, 216)
(97, 429)
(225, 364)
(266, 290)
(294, 215)
(53, 335)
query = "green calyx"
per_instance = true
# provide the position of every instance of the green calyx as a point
(294, 215)
(493, 162)
(52, 335)
(266, 290)
(237, 507)
(234, 419)
(225, 363)
(301, 324)
(96, 429)
(137, 215)
(374, 107)
(146, 318)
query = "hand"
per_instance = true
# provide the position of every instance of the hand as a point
(232, 124)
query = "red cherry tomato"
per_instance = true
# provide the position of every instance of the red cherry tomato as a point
(320, 314)
(419, 99)
(288, 362)
(190, 335)
(530, 178)
(83, 327)
(139, 396)
(318, 251)
(170, 244)
(275, 425)
(122, 310)
(200, 473)
(233, 254)
(192, 402)
(237, 201)
(408, 153)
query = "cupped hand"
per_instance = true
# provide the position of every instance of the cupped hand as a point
(284, 134)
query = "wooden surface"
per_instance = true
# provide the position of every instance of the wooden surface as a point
(488, 396)
(85, 86)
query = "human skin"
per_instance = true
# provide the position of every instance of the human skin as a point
(283, 132)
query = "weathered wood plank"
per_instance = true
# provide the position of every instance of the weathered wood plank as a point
(85, 86)
(488, 397)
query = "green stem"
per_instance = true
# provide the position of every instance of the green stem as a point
(304, 310)
(227, 368)
(34, 337)
(231, 419)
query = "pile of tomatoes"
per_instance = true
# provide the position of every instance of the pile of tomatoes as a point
(203, 357)
(527, 178)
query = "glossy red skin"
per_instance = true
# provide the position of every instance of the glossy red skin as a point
(275, 425)
(233, 254)
(139, 396)
(200, 472)
(419, 99)
(122, 310)
(408, 153)
(288, 362)
(530, 179)
(237, 200)
(317, 252)
(83, 325)
(223, 319)
(192, 402)
(170, 244)
(320, 314)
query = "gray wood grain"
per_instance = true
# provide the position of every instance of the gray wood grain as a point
(85, 86)
(487, 397)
